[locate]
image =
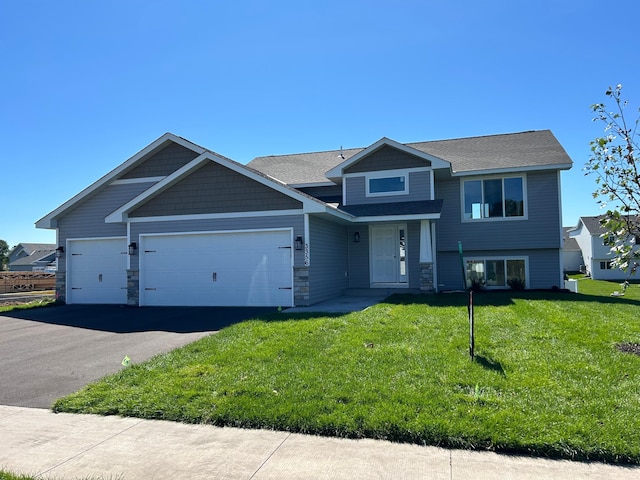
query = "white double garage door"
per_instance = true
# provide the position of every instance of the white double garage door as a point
(249, 268)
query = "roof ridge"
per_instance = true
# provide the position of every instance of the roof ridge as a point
(309, 153)
(405, 143)
(479, 136)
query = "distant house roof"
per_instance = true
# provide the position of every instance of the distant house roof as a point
(493, 153)
(43, 255)
(570, 243)
(29, 248)
(592, 224)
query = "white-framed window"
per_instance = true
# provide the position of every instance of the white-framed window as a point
(497, 272)
(381, 184)
(494, 198)
(606, 265)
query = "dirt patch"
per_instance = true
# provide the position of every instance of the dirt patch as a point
(629, 348)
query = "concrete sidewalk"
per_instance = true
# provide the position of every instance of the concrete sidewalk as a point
(65, 446)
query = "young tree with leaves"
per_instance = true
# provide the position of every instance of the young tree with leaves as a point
(4, 254)
(615, 164)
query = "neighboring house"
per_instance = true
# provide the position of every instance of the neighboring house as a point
(571, 254)
(177, 224)
(596, 255)
(32, 257)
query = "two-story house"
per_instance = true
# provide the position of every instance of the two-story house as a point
(597, 256)
(177, 224)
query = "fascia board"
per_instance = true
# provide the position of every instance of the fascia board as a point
(392, 218)
(509, 170)
(49, 220)
(317, 184)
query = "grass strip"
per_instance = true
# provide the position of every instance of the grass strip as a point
(547, 379)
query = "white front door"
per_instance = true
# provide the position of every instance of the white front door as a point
(388, 254)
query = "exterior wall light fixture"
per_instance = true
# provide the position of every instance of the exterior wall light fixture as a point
(298, 242)
(356, 237)
(59, 251)
(132, 248)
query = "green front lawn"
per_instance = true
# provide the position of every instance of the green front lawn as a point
(547, 379)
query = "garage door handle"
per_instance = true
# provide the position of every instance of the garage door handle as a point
(284, 288)
(214, 276)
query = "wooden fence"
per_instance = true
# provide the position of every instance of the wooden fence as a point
(11, 282)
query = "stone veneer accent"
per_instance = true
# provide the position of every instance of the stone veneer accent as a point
(133, 288)
(426, 278)
(301, 286)
(61, 287)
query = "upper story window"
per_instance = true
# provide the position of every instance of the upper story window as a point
(378, 185)
(494, 198)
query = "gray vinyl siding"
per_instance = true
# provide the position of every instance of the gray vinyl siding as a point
(538, 236)
(87, 220)
(162, 163)
(359, 257)
(419, 189)
(223, 224)
(215, 189)
(544, 267)
(540, 230)
(387, 158)
(329, 259)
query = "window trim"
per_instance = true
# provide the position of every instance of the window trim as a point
(386, 174)
(503, 218)
(504, 258)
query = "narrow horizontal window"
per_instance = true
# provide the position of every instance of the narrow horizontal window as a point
(387, 184)
(380, 185)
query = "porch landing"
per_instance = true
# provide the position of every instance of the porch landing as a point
(352, 300)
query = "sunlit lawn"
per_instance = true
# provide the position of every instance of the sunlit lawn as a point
(547, 379)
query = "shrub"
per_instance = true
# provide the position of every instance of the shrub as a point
(516, 284)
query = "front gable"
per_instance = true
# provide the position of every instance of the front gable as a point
(213, 188)
(161, 163)
(149, 165)
(386, 158)
(385, 154)
(212, 185)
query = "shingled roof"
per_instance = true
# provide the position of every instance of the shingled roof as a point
(592, 224)
(524, 150)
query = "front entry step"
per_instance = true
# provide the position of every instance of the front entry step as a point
(376, 292)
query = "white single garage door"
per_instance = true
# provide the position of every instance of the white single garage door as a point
(217, 269)
(97, 271)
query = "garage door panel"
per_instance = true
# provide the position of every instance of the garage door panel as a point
(225, 269)
(97, 271)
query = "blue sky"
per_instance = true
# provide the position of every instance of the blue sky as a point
(85, 85)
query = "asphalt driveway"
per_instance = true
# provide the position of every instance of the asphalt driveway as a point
(47, 353)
